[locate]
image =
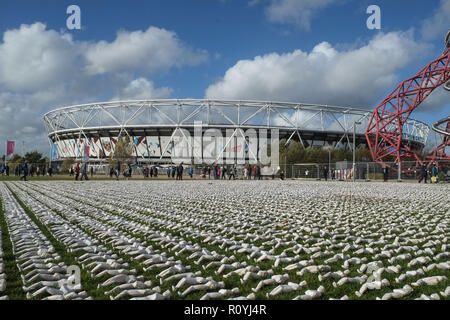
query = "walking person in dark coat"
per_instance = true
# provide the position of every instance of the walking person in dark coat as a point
(180, 171)
(24, 171)
(325, 173)
(232, 173)
(223, 173)
(84, 172)
(385, 173)
(215, 171)
(423, 173)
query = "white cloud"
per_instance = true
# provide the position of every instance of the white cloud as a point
(143, 51)
(32, 57)
(41, 69)
(142, 89)
(298, 12)
(437, 25)
(325, 75)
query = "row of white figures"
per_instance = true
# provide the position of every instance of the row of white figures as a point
(43, 273)
(377, 238)
(97, 260)
(2, 271)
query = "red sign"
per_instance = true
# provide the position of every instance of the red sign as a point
(10, 149)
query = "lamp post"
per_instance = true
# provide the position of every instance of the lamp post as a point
(329, 148)
(354, 149)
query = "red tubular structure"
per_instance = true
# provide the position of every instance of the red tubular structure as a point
(439, 153)
(385, 129)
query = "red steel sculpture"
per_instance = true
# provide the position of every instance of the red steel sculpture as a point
(439, 153)
(385, 130)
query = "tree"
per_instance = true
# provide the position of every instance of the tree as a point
(67, 164)
(123, 152)
(295, 153)
(16, 159)
(34, 158)
(14, 162)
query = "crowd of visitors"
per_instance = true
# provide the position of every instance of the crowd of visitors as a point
(80, 171)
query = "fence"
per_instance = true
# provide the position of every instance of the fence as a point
(333, 171)
(363, 171)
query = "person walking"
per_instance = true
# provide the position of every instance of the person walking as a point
(325, 173)
(245, 173)
(423, 173)
(191, 173)
(214, 169)
(24, 171)
(434, 174)
(180, 171)
(77, 171)
(117, 171)
(92, 172)
(232, 173)
(7, 170)
(50, 171)
(209, 173)
(84, 171)
(385, 173)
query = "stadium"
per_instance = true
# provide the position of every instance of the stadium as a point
(153, 125)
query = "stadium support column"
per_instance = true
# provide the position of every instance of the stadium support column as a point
(354, 149)
(367, 177)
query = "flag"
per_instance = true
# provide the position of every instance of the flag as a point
(10, 149)
(54, 152)
(86, 154)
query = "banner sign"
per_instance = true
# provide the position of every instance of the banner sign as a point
(54, 152)
(10, 149)
(86, 154)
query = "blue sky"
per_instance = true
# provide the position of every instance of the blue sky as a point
(236, 49)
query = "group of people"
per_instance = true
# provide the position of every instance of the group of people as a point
(433, 172)
(23, 171)
(424, 172)
(127, 171)
(5, 170)
(176, 170)
(77, 170)
(231, 173)
(150, 172)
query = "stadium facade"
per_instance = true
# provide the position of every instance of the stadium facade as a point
(153, 125)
